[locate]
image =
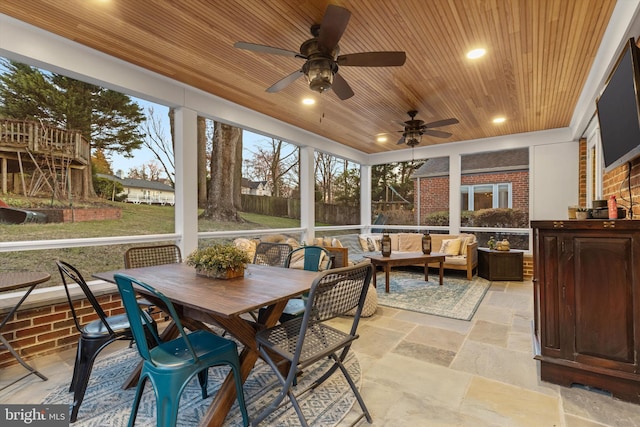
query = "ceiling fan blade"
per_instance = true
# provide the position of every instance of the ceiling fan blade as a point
(333, 24)
(341, 87)
(401, 140)
(372, 59)
(266, 49)
(439, 123)
(285, 81)
(437, 133)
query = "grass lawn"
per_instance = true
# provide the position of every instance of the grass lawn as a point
(136, 220)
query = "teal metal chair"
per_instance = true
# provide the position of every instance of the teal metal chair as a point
(171, 365)
(310, 258)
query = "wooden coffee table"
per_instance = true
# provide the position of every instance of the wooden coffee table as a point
(405, 258)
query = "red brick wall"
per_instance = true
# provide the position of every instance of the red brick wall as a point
(434, 192)
(49, 329)
(582, 172)
(81, 214)
(615, 183)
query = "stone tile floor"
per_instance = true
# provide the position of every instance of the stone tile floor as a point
(423, 370)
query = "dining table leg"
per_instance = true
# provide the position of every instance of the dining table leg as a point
(245, 332)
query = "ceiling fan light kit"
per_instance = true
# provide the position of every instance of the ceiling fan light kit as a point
(322, 56)
(414, 129)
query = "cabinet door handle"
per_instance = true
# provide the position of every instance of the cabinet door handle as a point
(609, 224)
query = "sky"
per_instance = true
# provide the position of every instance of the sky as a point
(143, 156)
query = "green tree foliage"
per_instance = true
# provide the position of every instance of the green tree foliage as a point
(108, 189)
(100, 164)
(106, 118)
(398, 175)
(347, 187)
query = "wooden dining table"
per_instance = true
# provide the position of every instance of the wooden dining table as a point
(222, 303)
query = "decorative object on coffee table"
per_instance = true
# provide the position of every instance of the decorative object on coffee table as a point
(426, 243)
(386, 245)
(220, 261)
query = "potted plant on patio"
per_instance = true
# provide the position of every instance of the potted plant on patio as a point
(220, 261)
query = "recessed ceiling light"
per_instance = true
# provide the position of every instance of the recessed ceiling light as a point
(476, 53)
(499, 120)
(308, 101)
(381, 138)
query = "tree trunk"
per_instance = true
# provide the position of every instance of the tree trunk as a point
(202, 162)
(221, 203)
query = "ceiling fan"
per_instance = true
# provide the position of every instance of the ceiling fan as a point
(322, 56)
(414, 129)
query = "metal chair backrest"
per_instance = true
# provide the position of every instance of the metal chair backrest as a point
(273, 254)
(335, 292)
(138, 328)
(146, 256)
(315, 258)
(68, 272)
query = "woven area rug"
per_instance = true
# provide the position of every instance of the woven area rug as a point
(106, 404)
(457, 298)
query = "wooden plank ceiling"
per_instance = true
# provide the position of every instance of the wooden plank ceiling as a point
(538, 56)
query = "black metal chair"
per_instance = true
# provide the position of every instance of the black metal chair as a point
(306, 340)
(94, 335)
(272, 254)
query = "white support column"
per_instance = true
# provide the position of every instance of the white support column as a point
(365, 197)
(455, 180)
(307, 193)
(186, 194)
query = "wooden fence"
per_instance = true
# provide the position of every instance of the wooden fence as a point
(290, 208)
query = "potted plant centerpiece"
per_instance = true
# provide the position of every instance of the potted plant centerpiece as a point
(220, 261)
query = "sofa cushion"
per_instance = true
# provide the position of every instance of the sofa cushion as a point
(410, 242)
(455, 260)
(352, 242)
(450, 247)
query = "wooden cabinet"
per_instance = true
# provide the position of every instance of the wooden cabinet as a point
(587, 304)
(500, 265)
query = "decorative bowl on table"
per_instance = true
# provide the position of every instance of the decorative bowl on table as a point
(219, 261)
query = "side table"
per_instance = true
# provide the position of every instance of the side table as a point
(10, 281)
(500, 265)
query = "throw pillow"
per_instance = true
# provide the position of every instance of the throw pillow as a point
(336, 243)
(373, 244)
(363, 243)
(247, 245)
(450, 247)
(293, 243)
(468, 240)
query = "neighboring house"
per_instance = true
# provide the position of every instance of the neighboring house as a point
(143, 191)
(498, 179)
(255, 188)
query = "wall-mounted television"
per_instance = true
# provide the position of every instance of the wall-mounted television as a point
(618, 110)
